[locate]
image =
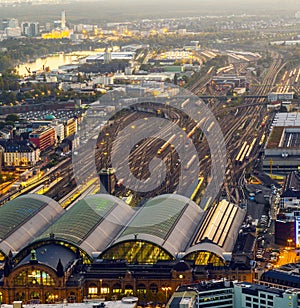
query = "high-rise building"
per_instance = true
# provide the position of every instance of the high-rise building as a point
(30, 28)
(63, 19)
(108, 180)
(13, 23)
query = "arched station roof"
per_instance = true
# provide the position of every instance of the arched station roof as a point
(221, 225)
(90, 224)
(167, 221)
(205, 253)
(24, 218)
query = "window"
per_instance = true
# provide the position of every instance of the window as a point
(248, 298)
(262, 295)
(104, 288)
(262, 301)
(33, 277)
(248, 304)
(270, 297)
(93, 289)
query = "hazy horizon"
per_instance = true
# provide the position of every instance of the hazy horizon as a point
(117, 10)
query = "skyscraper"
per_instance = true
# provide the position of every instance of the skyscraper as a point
(63, 19)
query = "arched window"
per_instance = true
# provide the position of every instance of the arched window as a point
(72, 297)
(19, 296)
(34, 297)
(128, 289)
(104, 288)
(117, 288)
(33, 277)
(141, 288)
(50, 298)
(93, 289)
(153, 287)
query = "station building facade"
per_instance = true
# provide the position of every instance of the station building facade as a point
(101, 247)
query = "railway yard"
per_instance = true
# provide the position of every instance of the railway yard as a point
(244, 127)
(199, 142)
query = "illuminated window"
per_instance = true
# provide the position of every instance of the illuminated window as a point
(34, 277)
(128, 289)
(93, 290)
(136, 252)
(117, 288)
(205, 258)
(141, 288)
(104, 290)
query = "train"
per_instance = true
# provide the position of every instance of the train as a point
(240, 152)
(190, 162)
(192, 132)
(166, 144)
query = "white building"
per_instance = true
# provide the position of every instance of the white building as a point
(20, 153)
(228, 294)
(258, 296)
(275, 96)
(60, 131)
(13, 32)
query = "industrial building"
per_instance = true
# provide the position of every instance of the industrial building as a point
(282, 152)
(103, 247)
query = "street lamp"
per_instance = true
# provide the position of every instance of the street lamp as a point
(166, 289)
(198, 295)
(289, 241)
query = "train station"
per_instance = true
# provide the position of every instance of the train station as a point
(101, 247)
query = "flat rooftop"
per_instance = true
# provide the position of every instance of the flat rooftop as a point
(284, 137)
(286, 119)
(124, 303)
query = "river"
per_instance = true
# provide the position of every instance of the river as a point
(52, 61)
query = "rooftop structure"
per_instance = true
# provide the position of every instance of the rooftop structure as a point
(282, 147)
(164, 225)
(218, 232)
(114, 56)
(22, 219)
(102, 246)
(91, 224)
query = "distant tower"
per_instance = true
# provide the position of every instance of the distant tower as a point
(107, 56)
(63, 19)
(107, 180)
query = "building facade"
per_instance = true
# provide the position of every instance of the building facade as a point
(44, 138)
(20, 153)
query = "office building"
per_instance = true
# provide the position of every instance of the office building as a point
(233, 294)
(108, 181)
(258, 296)
(44, 137)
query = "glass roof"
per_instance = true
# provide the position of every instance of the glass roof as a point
(15, 213)
(24, 218)
(157, 217)
(78, 222)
